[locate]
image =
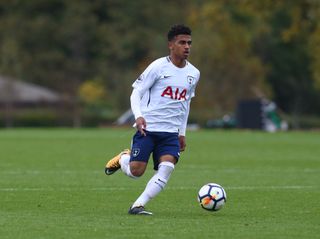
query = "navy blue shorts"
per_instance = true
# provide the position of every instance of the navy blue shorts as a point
(157, 143)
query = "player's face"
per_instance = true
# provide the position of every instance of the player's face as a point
(180, 46)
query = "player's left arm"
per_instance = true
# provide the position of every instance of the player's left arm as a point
(182, 142)
(182, 129)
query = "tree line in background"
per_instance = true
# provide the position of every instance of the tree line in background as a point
(92, 51)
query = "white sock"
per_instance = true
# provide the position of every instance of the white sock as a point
(124, 162)
(156, 184)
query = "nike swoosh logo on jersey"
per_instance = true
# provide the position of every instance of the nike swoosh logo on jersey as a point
(166, 76)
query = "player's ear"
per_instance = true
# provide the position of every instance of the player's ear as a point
(170, 45)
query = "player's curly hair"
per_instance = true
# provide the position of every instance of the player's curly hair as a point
(178, 29)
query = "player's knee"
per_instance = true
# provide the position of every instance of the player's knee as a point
(137, 172)
(137, 168)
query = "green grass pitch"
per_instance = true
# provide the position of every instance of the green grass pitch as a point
(52, 185)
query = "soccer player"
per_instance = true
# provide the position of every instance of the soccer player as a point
(160, 102)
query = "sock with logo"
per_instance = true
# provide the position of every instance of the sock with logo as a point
(156, 184)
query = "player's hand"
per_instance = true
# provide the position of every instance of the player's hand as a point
(182, 142)
(141, 125)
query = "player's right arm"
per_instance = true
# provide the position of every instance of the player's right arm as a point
(145, 81)
(135, 100)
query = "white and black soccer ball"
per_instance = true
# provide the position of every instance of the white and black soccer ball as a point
(212, 197)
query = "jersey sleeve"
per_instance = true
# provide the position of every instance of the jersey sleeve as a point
(147, 79)
(135, 100)
(193, 90)
(183, 127)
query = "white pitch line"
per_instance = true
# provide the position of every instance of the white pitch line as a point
(36, 172)
(285, 187)
(181, 170)
(271, 187)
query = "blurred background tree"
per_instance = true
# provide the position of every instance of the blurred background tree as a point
(223, 36)
(244, 49)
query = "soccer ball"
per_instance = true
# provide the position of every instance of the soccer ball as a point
(212, 197)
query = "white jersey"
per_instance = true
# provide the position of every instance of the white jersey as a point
(166, 92)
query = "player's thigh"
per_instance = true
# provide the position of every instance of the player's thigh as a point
(166, 149)
(168, 158)
(142, 146)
